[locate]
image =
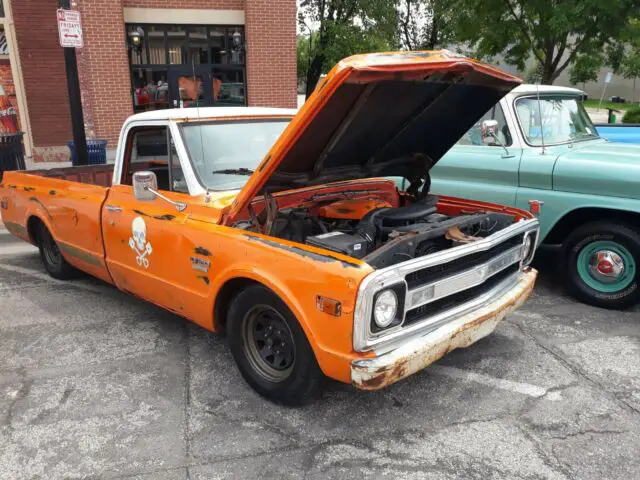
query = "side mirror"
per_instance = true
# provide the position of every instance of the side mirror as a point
(489, 128)
(145, 189)
(145, 185)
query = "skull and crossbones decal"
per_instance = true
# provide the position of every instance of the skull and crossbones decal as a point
(138, 242)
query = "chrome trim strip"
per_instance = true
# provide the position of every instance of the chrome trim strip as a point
(464, 280)
(363, 339)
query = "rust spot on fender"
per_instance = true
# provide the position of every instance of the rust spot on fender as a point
(166, 216)
(12, 186)
(204, 278)
(141, 213)
(52, 192)
(202, 251)
(28, 189)
(316, 257)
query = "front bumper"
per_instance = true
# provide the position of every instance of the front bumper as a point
(420, 351)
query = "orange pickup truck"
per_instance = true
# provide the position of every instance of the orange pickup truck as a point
(288, 232)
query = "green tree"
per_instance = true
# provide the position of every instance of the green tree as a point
(551, 32)
(630, 68)
(335, 29)
(585, 69)
(424, 24)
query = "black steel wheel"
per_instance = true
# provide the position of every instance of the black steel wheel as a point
(270, 347)
(51, 256)
(268, 343)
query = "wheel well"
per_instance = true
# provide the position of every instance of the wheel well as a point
(223, 300)
(32, 228)
(579, 217)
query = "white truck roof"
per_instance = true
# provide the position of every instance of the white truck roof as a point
(200, 113)
(533, 89)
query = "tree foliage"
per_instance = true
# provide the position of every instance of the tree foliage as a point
(585, 69)
(424, 24)
(554, 33)
(335, 29)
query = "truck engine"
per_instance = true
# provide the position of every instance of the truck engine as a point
(373, 230)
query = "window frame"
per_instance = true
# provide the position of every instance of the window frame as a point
(511, 138)
(565, 95)
(226, 121)
(123, 154)
(226, 66)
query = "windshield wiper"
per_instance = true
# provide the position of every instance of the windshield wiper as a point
(235, 171)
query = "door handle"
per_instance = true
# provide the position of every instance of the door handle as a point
(113, 208)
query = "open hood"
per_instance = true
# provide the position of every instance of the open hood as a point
(383, 114)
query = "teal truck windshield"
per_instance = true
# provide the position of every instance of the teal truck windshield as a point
(553, 120)
(224, 155)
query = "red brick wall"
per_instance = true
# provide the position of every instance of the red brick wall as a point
(206, 4)
(271, 52)
(105, 69)
(44, 76)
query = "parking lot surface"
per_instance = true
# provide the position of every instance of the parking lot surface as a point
(95, 383)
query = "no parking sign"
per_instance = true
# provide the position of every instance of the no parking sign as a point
(70, 29)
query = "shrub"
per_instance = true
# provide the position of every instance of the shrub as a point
(632, 115)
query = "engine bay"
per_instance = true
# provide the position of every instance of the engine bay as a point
(378, 229)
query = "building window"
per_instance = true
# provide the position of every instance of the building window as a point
(186, 65)
(1, 9)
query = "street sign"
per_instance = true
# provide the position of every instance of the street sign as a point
(608, 78)
(70, 28)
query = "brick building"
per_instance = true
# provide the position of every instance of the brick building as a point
(147, 54)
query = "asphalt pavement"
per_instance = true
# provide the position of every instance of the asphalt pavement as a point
(97, 384)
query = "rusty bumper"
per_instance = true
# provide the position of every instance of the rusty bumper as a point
(420, 351)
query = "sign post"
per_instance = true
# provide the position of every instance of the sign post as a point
(70, 29)
(607, 81)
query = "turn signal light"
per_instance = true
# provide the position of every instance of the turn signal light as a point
(328, 305)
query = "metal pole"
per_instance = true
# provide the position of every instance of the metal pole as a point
(75, 100)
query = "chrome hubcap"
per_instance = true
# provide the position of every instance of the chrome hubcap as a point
(606, 266)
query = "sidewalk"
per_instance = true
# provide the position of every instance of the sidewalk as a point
(10, 245)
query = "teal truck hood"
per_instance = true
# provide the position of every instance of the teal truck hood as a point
(598, 167)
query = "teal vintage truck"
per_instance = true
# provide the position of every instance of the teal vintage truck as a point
(590, 186)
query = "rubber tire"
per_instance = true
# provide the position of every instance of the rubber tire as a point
(304, 383)
(627, 236)
(62, 271)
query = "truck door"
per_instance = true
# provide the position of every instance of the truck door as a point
(147, 249)
(480, 169)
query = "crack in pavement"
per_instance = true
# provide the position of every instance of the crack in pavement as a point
(576, 369)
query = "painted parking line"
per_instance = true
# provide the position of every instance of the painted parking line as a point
(45, 277)
(508, 385)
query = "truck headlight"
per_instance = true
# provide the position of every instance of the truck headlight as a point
(385, 308)
(529, 247)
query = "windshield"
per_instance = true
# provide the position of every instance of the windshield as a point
(563, 120)
(224, 155)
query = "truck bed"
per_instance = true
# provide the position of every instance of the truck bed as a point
(101, 175)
